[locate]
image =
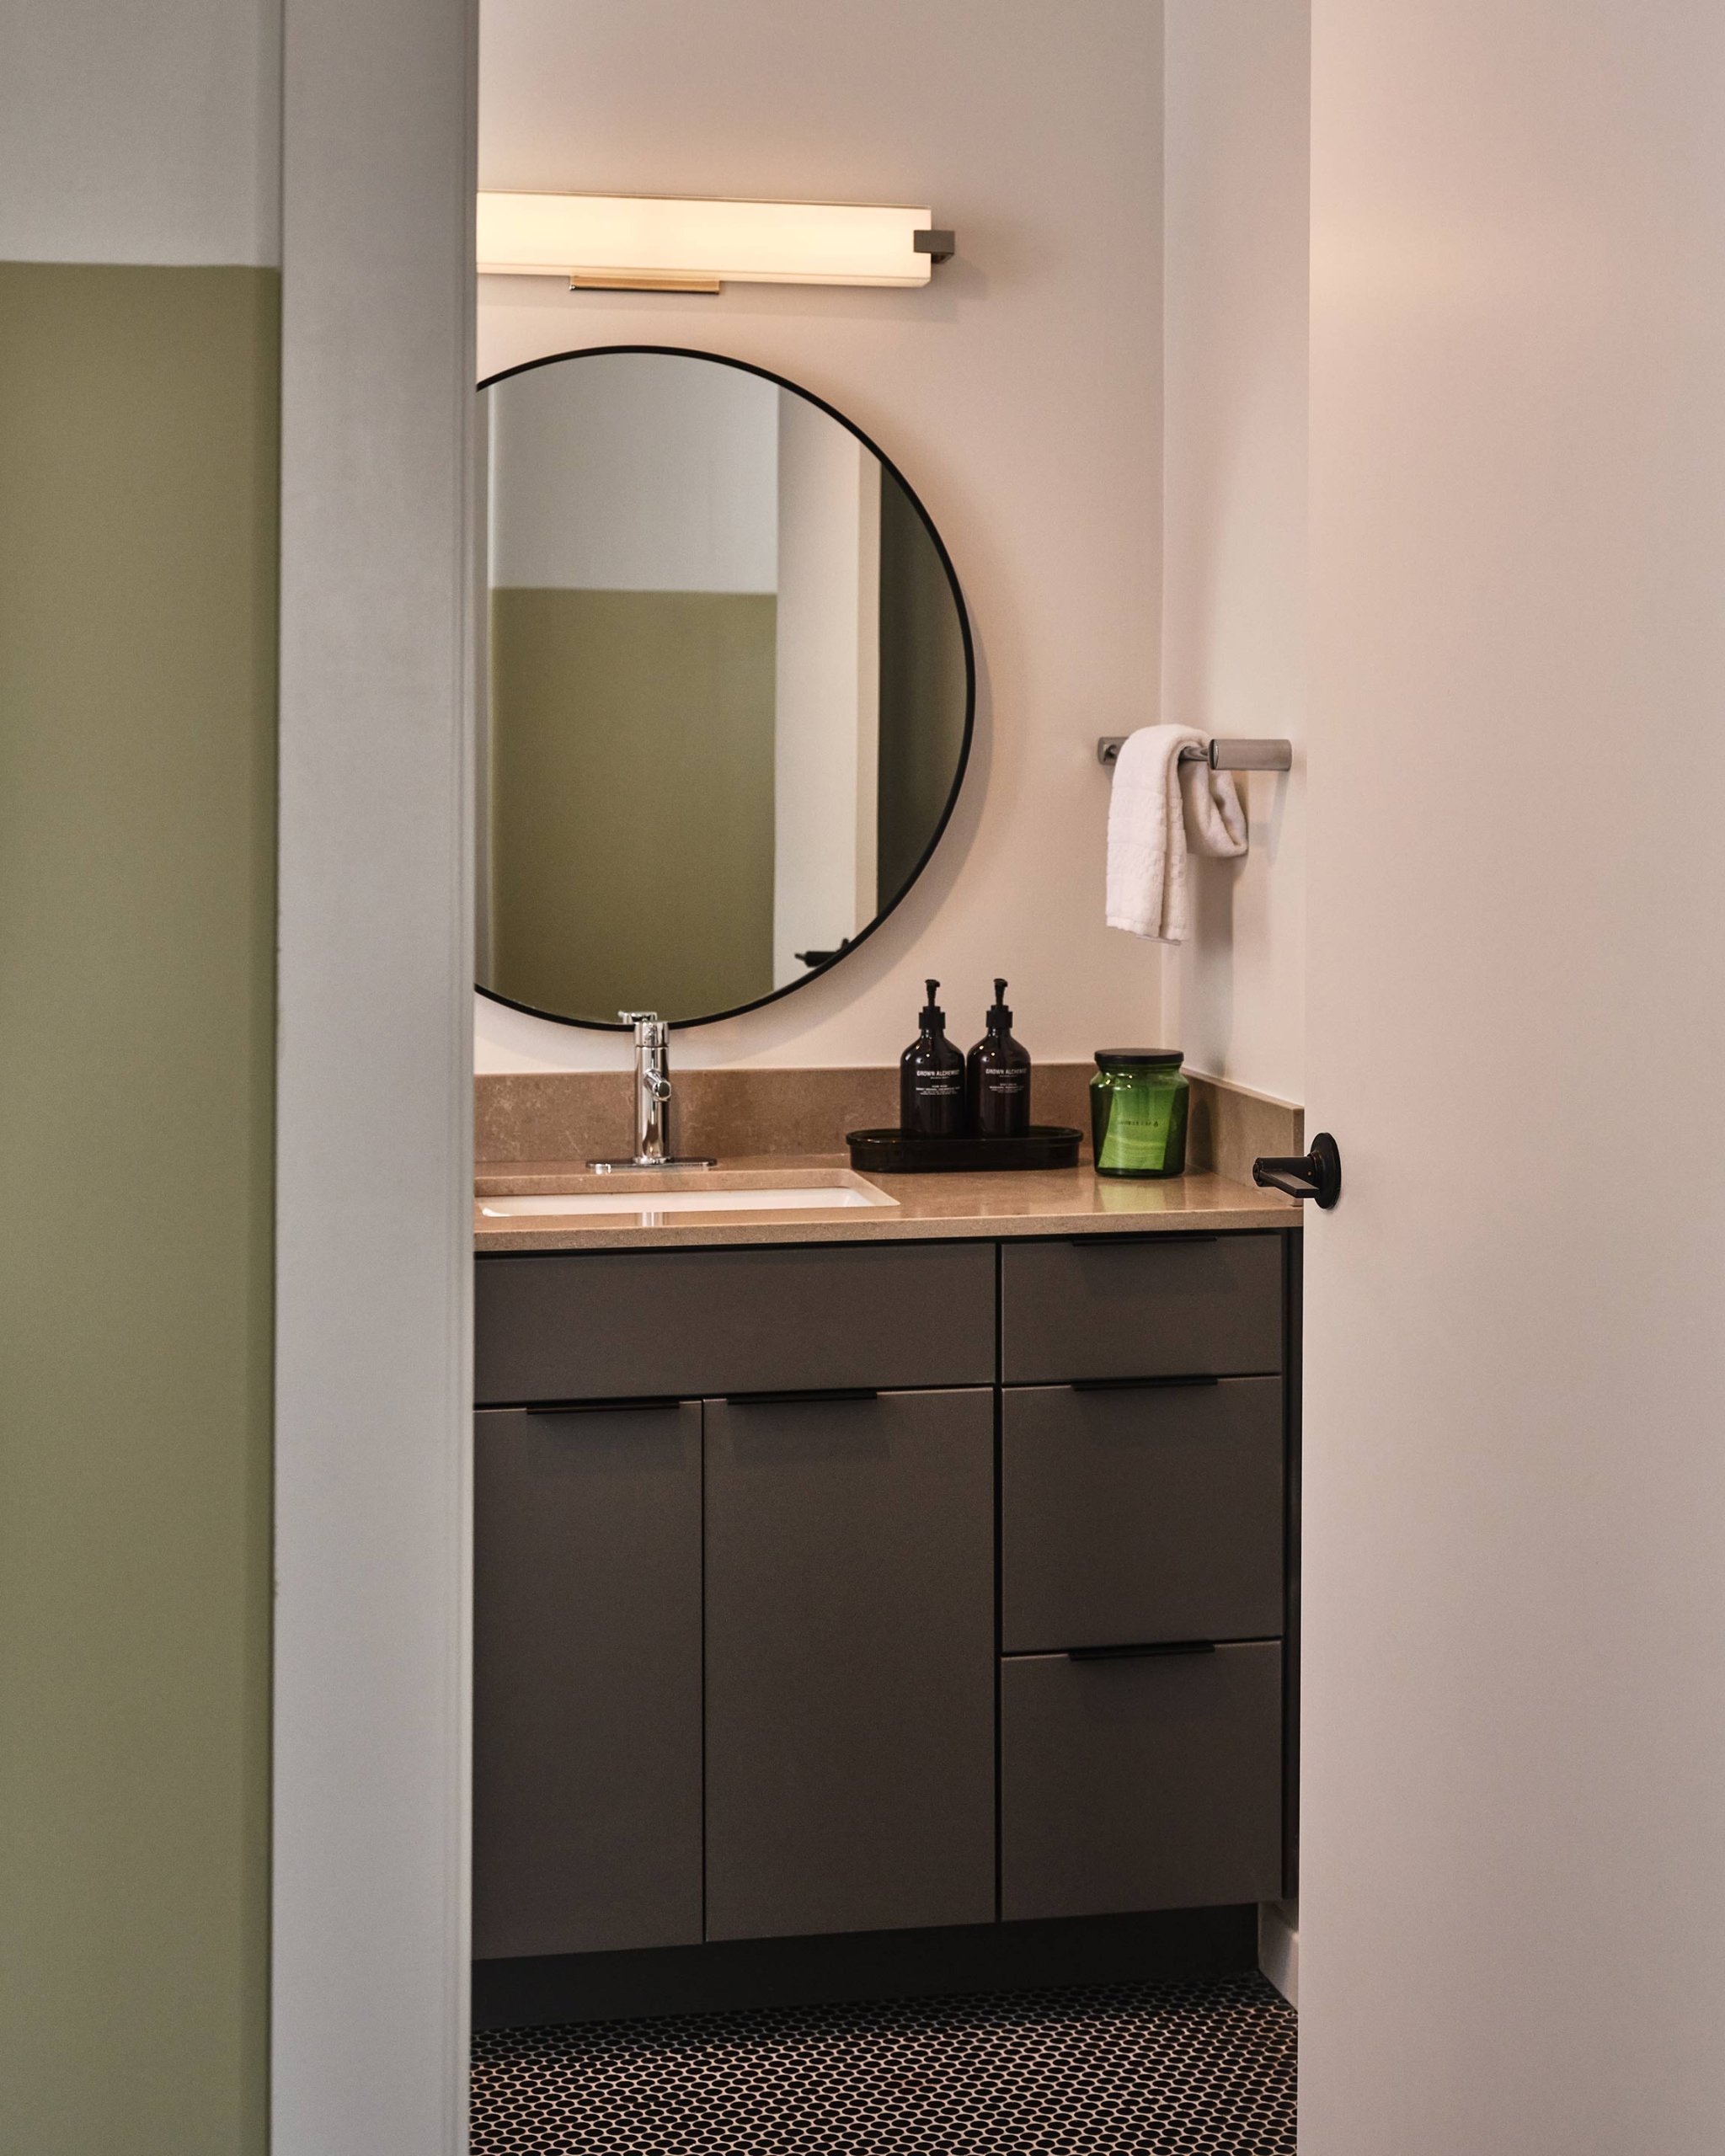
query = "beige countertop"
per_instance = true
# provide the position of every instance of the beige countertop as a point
(1036, 1201)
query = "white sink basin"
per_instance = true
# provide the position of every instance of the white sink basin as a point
(629, 1198)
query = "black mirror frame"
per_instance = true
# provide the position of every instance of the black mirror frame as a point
(815, 973)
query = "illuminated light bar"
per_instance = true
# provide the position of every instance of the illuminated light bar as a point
(650, 242)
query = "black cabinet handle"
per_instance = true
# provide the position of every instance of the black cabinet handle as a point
(632, 1406)
(1102, 1239)
(796, 1399)
(1316, 1174)
(1136, 1384)
(1141, 1653)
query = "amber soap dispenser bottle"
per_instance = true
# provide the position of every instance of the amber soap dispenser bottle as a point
(999, 1076)
(932, 1078)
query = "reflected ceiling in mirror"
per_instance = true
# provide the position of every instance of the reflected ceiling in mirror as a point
(729, 687)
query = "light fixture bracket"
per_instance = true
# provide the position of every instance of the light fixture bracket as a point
(645, 280)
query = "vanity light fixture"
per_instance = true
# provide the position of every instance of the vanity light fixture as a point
(651, 243)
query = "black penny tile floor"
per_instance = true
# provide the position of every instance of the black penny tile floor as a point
(1146, 2069)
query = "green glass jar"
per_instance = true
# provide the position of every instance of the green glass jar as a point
(1137, 1101)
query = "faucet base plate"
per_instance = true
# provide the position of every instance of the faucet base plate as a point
(630, 1167)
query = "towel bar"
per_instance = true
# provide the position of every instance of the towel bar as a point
(1223, 755)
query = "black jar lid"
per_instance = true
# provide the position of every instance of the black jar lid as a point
(1161, 1057)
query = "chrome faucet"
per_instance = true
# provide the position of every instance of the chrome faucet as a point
(652, 1099)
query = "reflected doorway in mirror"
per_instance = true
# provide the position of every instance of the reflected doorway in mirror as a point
(729, 687)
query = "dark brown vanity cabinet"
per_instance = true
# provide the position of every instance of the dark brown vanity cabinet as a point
(1099, 1307)
(850, 1663)
(1145, 1781)
(694, 1324)
(860, 1589)
(587, 1686)
(1141, 1513)
(1144, 1514)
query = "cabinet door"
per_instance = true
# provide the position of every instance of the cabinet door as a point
(592, 1325)
(1169, 1305)
(850, 1675)
(586, 1680)
(1151, 1784)
(1152, 1513)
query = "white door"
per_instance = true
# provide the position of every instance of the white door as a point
(1512, 1937)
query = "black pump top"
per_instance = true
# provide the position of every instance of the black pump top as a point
(934, 1017)
(999, 1019)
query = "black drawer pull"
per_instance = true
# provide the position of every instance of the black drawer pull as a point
(656, 1405)
(1136, 1384)
(1104, 1240)
(796, 1399)
(1139, 1653)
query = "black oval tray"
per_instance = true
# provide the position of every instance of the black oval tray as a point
(891, 1153)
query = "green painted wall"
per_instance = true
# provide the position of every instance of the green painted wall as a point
(632, 784)
(137, 604)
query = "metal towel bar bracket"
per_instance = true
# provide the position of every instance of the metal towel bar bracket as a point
(1221, 756)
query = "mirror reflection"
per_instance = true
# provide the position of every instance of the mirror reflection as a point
(729, 687)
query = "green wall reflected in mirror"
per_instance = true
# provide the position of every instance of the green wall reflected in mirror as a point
(729, 687)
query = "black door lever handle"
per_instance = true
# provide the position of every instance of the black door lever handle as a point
(1316, 1174)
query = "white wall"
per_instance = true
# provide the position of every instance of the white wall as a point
(146, 134)
(1234, 592)
(826, 731)
(374, 1099)
(634, 474)
(1512, 1906)
(1019, 392)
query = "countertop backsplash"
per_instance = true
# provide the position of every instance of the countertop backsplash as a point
(747, 1113)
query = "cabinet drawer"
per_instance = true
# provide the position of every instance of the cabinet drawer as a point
(849, 1664)
(604, 1325)
(1149, 1513)
(1174, 1305)
(586, 1681)
(1141, 1784)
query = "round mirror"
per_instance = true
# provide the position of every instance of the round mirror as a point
(729, 681)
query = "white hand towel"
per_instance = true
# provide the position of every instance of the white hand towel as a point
(1215, 822)
(1155, 799)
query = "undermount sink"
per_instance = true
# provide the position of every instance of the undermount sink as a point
(646, 1198)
